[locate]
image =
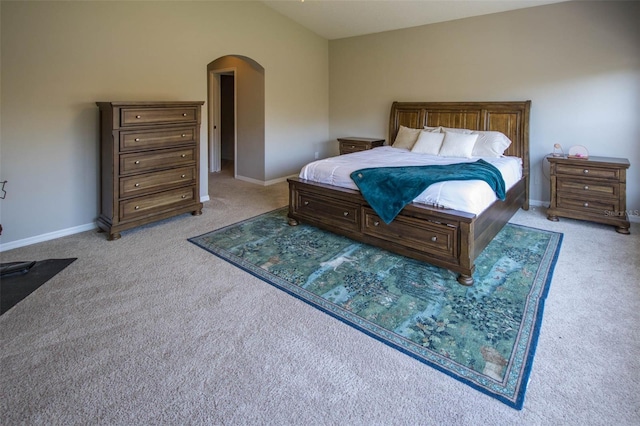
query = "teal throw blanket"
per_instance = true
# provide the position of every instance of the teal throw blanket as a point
(389, 189)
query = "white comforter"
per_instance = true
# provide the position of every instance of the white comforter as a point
(471, 196)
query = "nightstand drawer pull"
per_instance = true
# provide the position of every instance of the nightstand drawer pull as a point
(434, 239)
(585, 171)
(183, 135)
(586, 187)
(136, 185)
(345, 214)
(184, 196)
(137, 139)
(137, 162)
(376, 223)
(137, 207)
(183, 155)
(183, 176)
(586, 204)
(184, 114)
(138, 116)
(306, 203)
(353, 146)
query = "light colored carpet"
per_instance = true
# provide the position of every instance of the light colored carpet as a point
(151, 329)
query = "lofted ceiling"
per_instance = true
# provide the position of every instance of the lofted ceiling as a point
(334, 19)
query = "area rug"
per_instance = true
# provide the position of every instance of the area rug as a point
(484, 336)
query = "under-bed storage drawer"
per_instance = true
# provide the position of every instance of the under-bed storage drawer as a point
(430, 237)
(328, 210)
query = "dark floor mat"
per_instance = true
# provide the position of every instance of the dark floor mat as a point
(15, 287)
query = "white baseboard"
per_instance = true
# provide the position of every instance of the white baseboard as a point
(58, 234)
(89, 226)
(48, 236)
(262, 182)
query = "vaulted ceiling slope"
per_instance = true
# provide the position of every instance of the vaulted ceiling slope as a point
(334, 19)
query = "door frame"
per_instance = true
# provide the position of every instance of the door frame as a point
(213, 133)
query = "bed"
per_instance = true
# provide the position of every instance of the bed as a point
(445, 237)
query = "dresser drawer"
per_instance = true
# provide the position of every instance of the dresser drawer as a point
(586, 171)
(149, 204)
(335, 212)
(131, 141)
(434, 238)
(149, 116)
(140, 162)
(586, 205)
(156, 181)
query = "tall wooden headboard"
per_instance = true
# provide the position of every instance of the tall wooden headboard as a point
(510, 118)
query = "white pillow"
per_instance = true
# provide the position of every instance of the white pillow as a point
(406, 137)
(456, 130)
(457, 145)
(428, 143)
(490, 144)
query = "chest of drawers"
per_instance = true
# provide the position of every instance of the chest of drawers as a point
(589, 189)
(355, 144)
(149, 159)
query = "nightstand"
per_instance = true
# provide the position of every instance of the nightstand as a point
(355, 144)
(591, 189)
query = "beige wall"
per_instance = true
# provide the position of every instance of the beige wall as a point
(58, 58)
(578, 62)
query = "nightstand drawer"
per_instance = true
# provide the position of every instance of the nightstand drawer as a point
(585, 205)
(589, 188)
(587, 171)
(355, 144)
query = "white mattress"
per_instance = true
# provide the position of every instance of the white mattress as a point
(472, 196)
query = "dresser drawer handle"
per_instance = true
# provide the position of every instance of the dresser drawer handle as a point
(183, 176)
(183, 155)
(137, 139)
(184, 114)
(137, 207)
(138, 116)
(586, 204)
(376, 223)
(136, 185)
(184, 135)
(434, 239)
(345, 214)
(585, 171)
(136, 162)
(184, 196)
(586, 187)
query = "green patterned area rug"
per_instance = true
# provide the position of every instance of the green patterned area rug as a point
(484, 335)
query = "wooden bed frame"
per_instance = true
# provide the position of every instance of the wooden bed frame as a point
(447, 238)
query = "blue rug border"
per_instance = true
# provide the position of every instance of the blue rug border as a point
(517, 404)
